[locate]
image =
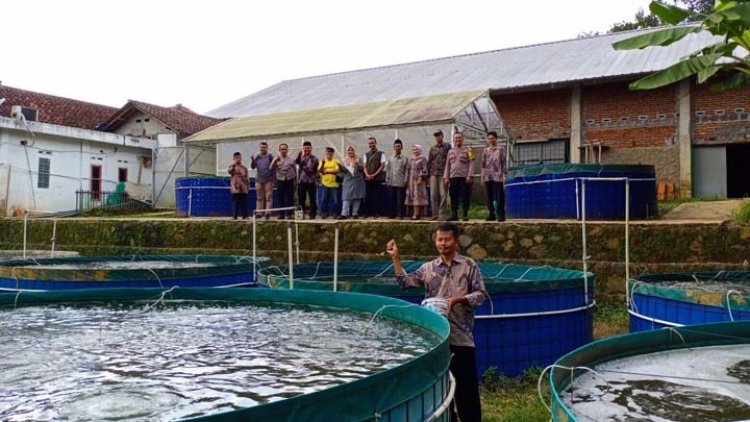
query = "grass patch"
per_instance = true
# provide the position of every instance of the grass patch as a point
(610, 319)
(515, 399)
(477, 212)
(742, 215)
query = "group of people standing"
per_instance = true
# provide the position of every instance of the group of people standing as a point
(447, 172)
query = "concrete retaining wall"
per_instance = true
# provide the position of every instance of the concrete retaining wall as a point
(655, 246)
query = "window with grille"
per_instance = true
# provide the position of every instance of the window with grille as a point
(552, 151)
(43, 173)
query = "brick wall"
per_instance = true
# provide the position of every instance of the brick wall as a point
(536, 115)
(720, 117)
(620, 118)
(636, 127)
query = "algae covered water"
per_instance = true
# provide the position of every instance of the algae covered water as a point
(702, 384)
(741, 287)
(179, 360)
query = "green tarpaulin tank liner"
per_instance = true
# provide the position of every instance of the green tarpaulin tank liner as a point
(419, 389)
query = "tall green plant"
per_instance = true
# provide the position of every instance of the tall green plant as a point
(729, 20)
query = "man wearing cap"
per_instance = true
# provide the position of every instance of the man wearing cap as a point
(458, 175)
(374, 162)
(436, 169)
(329, 168)
(307, 187)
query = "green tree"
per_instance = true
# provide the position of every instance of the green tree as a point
(729, 21)
(650, 20)
(642, 20)
(699, 6)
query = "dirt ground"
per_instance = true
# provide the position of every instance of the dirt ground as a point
(704, 210)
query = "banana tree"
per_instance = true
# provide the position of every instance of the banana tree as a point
(729, 22)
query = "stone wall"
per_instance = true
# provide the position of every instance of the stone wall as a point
(655, 246)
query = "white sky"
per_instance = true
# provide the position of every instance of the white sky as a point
(206, 53)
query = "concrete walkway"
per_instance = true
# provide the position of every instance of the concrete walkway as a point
(704, 211)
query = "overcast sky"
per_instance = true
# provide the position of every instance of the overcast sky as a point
(206, 53)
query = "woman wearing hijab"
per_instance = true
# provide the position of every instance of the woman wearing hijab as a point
(354, 189)
(416, 188)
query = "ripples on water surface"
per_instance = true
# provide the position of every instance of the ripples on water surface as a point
(121, 363)
(122, 265)
(703, 384)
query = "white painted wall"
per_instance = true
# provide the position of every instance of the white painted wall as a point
(70, 166)
(143, 125)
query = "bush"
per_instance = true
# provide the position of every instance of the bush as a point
(742, 215)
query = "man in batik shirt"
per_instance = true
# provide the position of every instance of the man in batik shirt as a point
(457, 279)
(493, 176)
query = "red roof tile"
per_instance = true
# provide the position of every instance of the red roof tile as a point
(55, 110)
(179, 118)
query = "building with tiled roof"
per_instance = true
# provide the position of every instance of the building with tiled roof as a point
(148, 120)
(53, 109)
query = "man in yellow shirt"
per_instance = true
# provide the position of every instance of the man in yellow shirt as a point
(329, 168)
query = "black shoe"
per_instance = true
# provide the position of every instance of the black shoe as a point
(491, 218)
(452, 218)
(342, 217)
(501, 219)
(466, 218)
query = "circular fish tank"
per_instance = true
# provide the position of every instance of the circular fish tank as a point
(554, 191)
(674, 300)
(696, 373)
(533, 316)
(221, 355)
(207, 196)
(129, 271)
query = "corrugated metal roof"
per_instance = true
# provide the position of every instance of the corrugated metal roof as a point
(432, 109)
(542, 64)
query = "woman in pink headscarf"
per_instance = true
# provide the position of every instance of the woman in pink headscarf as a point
(416, 188)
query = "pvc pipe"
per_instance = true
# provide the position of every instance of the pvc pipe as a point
(335, 257)
(578, 206)
(255, 225)
(583, 241)
(291, 254)
(627, 241)
(296, 238)
(567, 179)
(190, 202)
(653, 320)
(25, 228)
(543, 313)
(276, 209)
(445, 405)
(54, 237)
